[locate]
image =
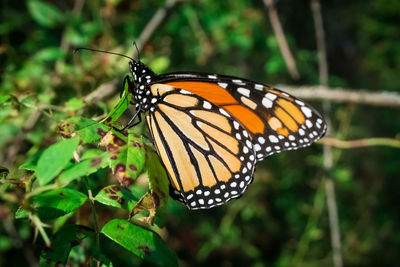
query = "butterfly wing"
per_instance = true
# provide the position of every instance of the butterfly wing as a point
(208, 154)
(275, 120)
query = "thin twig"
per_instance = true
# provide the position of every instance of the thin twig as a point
(39, 226)
(389, 99)
(153, 24)
(280, 37)
(367, 142)
(93, 206)
(307, 92)
(328, 158)
(106, 90)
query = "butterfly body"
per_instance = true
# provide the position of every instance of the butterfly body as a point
(210, 130)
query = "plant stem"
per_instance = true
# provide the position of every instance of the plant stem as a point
(91, 200)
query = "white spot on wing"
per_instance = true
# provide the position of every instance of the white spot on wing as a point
(273, 139)
(238, 137)
(212, 76)
(244, 91)
(207, 105)
(270, 96)
(223, 85)
(306, 111)
(267, 103)
(224, 112)
(185, 92)
(259, 87)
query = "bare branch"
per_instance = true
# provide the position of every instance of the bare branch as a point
(153, 24)
(104, 91)
(389, 99)
(367, 142)
(280, 36)
(328, 158)
(108, 89)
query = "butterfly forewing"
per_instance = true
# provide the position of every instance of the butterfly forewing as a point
(275, 120)
(207, 152)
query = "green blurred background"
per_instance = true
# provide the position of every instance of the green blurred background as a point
(282, 219)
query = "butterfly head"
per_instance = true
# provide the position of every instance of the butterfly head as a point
(141, 73)
(143, 76)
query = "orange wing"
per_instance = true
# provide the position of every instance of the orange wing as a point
(208, 155)
(275, 120)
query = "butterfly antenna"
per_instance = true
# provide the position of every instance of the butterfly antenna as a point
(101, 51)
(137, 50)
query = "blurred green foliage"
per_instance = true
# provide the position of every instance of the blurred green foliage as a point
(282, 218)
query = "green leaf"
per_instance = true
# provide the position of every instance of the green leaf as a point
(54, 159)
(118, 196)
(31, 163)
(58, 202)
(140, 241)
(45, 14)
(4, 99)
(158, 179)
(121, 106)
(59, 222)
(62, 242)
(49, 54)
(127, 155)
(89, 131)
(3, 172)
(85, 167)
(73, 104)
(21, 213)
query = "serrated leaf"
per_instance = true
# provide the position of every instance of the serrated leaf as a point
(121, 106)
(58, 202)
(84, 167)
(21, 213)
(54, 159)
(45, 14)
(118, 196)
(62, 242)
(140, 241)
(88, 130)
(148, 202)
(127, 155)
(158, 178)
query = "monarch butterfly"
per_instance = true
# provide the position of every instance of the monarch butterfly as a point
(210, 130)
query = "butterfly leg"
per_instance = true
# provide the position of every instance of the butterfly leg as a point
(130, 124)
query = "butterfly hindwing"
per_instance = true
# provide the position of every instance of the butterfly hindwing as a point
(208, 154)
